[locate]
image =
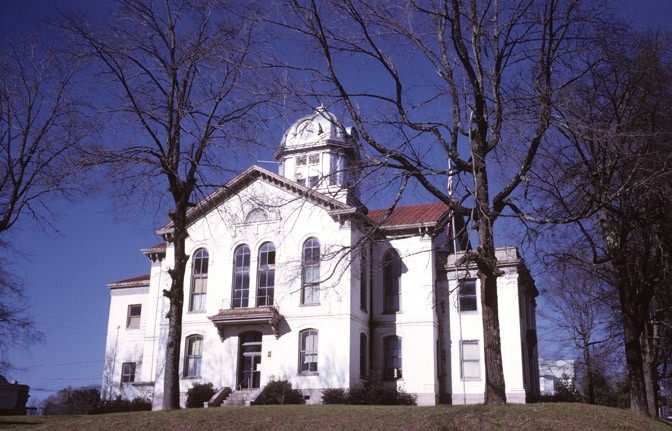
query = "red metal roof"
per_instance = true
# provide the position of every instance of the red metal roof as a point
(410, 214)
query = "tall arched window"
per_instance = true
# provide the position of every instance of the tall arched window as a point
(266, 275)
(193, 353)
(310, 268)
(241, 277)
(308, 351)
(392, 352)
(199, 280)
(391, 282)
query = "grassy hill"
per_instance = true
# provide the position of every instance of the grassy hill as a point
(530, 417)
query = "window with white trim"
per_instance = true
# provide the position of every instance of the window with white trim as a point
(199, 280)
(467, 295)
(310, 268)
(266, 275)
(471, 360)
(241, 277)
(193, 356)
(308, 351)
(128, 372)
(133, 316)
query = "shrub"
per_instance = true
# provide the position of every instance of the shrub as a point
(279, 391)
(198, 394)
(372, 391)
(334, 396)
(121, 405)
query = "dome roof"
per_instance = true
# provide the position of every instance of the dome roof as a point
(316, 129)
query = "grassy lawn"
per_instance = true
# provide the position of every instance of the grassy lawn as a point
(565, 417)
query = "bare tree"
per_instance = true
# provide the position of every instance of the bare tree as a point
(578, 305)
(180, 71)
(40, 132)
(424, 82)
(614, 168)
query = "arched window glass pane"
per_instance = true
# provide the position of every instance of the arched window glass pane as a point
(193, 356)
(199, 280)
(310, 288)
(266, 275)
(308, 351)
(241, 277)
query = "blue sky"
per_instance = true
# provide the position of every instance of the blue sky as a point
(65, 272)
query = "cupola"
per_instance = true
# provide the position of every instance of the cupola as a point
(319, 153)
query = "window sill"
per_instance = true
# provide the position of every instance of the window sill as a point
(196, 312)
(308, 374)
(191, 377)
(310, 304)
(132, 328)
(387, 313)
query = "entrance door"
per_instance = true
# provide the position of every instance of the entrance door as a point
(249, 376)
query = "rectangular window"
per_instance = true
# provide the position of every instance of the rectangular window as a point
(313, 159)
(363, 291)
(467, 295)
(392, 352)
(363, 356)
(471, 364)
(133, 317)
(301, 161)
(128, 372)
(313, 180)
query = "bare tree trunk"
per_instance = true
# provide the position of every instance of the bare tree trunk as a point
(495, 391)
(633, 355)
(589, 370)
(647, 341)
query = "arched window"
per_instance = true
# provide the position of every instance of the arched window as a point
(310, 268)
(256, 215)
(308, 351)
(363, 356)
(266, 275)
(391, 282)
(199, 280)
(392, 352)
(193, 353)
(241, 277)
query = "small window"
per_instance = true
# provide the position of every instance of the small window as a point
(467, 295)
(301, 161)
(471, 365)
(199, 280)
(193, 356)
(391, 282)
(392, 352)
(133, 317)
(313, 159)
(310, 280)
(241, 277)
(363, 356)
(308, 351)
(128, 372)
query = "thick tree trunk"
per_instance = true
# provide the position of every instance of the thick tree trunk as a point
(648, 342)
(633, 356)
(171, 383)
(495, 391)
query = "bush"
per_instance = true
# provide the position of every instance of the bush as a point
(198, 394)
(279, 391)
(121, 405)
(334, 396)
(371, 392)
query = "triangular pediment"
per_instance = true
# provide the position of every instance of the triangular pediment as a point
(244, 180)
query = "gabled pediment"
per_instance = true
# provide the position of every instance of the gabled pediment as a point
(244, 180)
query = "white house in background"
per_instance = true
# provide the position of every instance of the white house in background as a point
(552, 373)
(290, 275)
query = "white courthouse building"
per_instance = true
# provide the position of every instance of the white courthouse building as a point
(290, 275)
